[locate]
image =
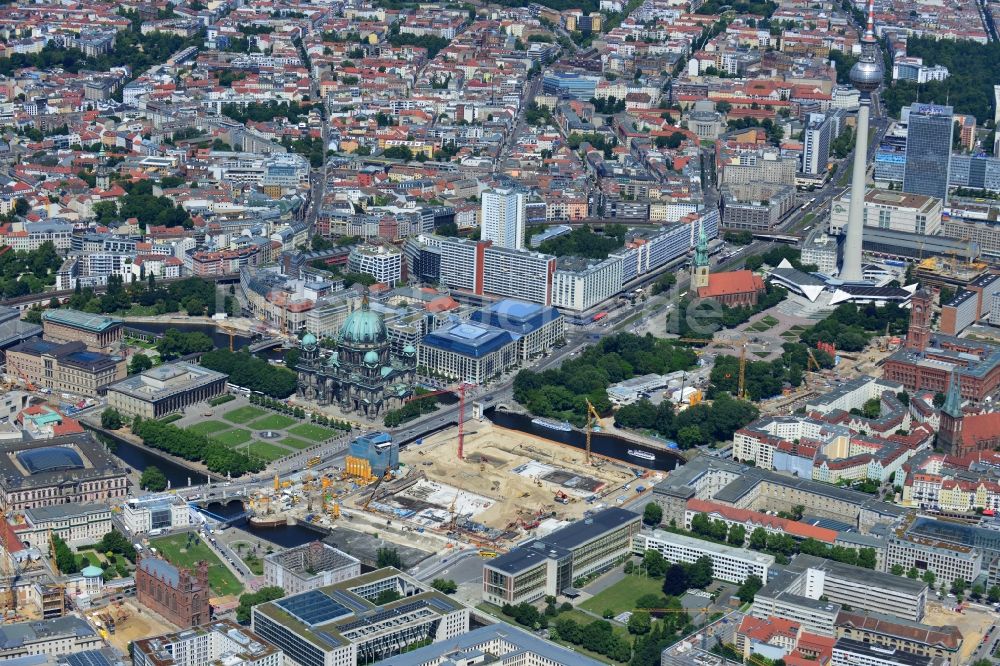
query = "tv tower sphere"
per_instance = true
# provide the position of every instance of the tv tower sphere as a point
(866, 75)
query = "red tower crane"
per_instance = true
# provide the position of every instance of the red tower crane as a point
(460, 390)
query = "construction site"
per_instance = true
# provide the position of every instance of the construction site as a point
(122, 622)
(971, 620)
(506, 482)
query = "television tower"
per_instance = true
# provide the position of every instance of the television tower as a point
(867, 76)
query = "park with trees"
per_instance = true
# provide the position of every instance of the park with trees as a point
(584, 242)
(562, 392)
(704, 423)
(193, 296)
(969, 86)
(217, 457)
(251, 372)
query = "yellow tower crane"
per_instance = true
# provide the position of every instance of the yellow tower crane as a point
(592, 418)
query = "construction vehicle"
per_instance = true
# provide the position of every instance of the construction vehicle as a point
(460, 390)
(561, 497)
(451, 509)
(378, 483)
(592, 418)
(811, 363)
(28, 384)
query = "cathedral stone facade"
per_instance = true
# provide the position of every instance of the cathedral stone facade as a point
(362, 374)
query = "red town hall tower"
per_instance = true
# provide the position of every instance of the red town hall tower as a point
(918, 337)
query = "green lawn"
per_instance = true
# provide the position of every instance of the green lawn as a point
(621, 596)
(273, 422)
(233, 437)
(244, 414)
(265, 450)
(293, 443)
(770, 321)
(174, 550)
(312, 431)
(208, 427)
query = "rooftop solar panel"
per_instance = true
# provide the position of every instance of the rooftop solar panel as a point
(88, 658)
(313, 607)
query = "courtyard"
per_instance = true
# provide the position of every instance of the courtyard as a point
(256, 431)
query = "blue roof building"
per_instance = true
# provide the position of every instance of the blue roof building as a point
(537, 328)
(468, 351)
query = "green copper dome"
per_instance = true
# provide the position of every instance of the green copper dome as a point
(309, 340)
(371, 358)
(409, 349)
(363, 326)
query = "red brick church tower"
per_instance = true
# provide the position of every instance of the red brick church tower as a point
(918, 337)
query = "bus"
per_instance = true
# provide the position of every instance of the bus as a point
(600, 315)
(315, 460)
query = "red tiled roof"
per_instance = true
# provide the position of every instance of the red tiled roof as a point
(791, 527)
(732, 282)
(9, 537)
(980, 427)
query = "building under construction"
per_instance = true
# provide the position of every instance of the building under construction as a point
(953, 271)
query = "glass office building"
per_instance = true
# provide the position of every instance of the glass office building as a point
(928, 150)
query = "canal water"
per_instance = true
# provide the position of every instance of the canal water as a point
(139, 458)
(287, 536)
(219, 337)
(610, 446)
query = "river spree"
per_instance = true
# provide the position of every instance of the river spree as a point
(610, 446)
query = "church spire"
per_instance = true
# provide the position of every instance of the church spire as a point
(953, 400)
(699, 267)
(701, 250)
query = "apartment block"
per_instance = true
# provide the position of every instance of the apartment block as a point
(728, 563)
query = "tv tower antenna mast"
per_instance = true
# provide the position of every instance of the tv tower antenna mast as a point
(866, 76)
